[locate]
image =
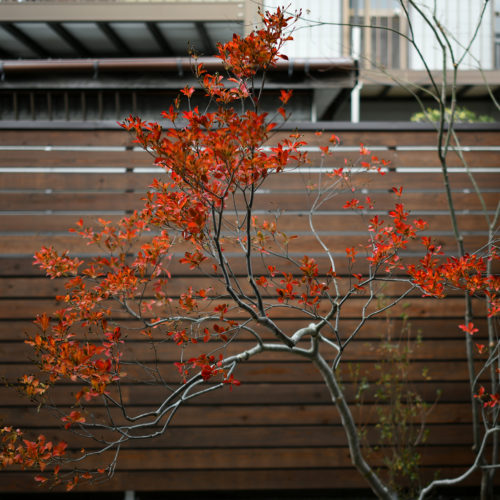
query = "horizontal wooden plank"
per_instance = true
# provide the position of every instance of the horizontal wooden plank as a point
(71, 201)
(413, 308)
(15, 266)
(169, 352)
(90, 181)
(265, 200)
(261, 437)
(207, 417)
(406, 158)
(87, 159)
(228, 481)
(374, 329)
(21, 264)
(22, 244)
(63, 137)
(290, 223)
(369, 137)
(244, 458)
(87, 181)
(250, 393)
(394, 138)
(26, 158)
(25, 288)
(273, 372)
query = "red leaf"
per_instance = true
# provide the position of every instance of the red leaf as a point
(285, 96)
(468, 328)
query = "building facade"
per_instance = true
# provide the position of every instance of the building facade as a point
(44, 43)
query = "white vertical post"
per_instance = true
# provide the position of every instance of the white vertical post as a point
(129, 495)
(356, 91)
(314, 107)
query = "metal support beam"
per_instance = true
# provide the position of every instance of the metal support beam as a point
(321, 100)
(114, 38)
(422, 92)
(331, 111)
(24, 39)
(5, 54)
(462, 91)
(75, 44)
(208, 46)
(160, 39)
(383, 93)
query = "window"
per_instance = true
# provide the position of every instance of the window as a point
(381, 45)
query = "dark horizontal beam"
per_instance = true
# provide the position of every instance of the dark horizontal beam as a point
(336, 126)
(24, 39)
(323, 66)
(160, 39)
(73, 42)
(208, 45)
(111, 35)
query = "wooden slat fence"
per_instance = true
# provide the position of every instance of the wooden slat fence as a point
(279, 429)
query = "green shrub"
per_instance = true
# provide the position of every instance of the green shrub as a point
(462, 115)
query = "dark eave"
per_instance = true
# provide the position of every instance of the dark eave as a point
(113, 38)
(23, 38)
(72, 41)
(160, 39)
(162, 72)
(163, 64)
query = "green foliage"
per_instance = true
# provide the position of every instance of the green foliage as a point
(401, 414)
(462, 115)
(400, 411)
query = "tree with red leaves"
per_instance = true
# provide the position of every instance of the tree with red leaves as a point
(215, 163)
